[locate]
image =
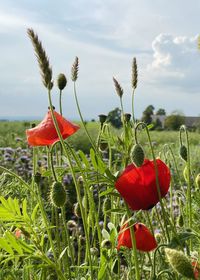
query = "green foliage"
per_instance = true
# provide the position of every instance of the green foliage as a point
(146, 116)
(114, 117)
(173, 122)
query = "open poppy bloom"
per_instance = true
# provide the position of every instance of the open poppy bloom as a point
(145, 241)
(44, 134)
(137, 185)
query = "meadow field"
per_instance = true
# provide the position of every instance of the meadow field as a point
(85, 201)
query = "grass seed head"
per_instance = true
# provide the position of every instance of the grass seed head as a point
(134, 74)
(74, 70)
(43, 61)
(118, 88)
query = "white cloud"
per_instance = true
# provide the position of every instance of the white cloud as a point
(176, 62)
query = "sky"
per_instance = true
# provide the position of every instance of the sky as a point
(105, 35)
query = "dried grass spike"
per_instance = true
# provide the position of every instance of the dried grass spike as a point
(118, 88)
(43, 61)
(74, 71)
(134, 74)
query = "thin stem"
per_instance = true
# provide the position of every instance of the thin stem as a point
(60, 101)
(133, 241)
(133, 117)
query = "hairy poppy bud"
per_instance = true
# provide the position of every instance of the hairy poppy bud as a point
(106, 205)
(180, 263)
(102, 118)
(61, 81)
(94, 251)
(103, 146)
(183, 152)
(37, 177)
(106, 243)
(77, 210)
(197, 181)
(180, 221)
(58, 195)
(138, 155)
(127, 117)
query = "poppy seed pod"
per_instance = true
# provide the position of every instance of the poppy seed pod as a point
(183, 152)
(102, 118)
(180, 263)
(58, 195)
(137, 185)
(138, 155)
(145, 241)
(61, 81)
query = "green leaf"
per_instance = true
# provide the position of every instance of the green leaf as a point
(33, 215)
(93, 159)
(106, 192)
(24, 210)
(105, 234)
(5, 246)
(84, 159)
(13, 242)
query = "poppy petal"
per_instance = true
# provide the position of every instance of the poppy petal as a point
(145, 241)
(44, 134)
(137, 185)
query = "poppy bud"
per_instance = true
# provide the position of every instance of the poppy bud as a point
(61, 81)
(138, 155)
(127, 117)
(58, 195)
(180, 263)
(102, 118)
(77, 210)
(106, 205)
(106, 243)
(183, 152)
(37, 177)
(71, 225)
(94, 251)
(180, 221)
(197, 181)
(103, 146)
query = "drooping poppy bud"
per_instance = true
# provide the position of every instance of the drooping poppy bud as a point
(58, 195)
(138, 155)
(137, 185)
(180, 263)
(145, 241)
(44, 134)
(183, 152)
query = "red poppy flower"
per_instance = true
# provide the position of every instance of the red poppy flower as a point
(44, 134)
(145, 241)
(137, 185)
(196, 269)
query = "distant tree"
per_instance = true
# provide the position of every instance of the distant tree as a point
(173, 122)
(114, 117)
(157, 125)
(161, 112)
(146, 116)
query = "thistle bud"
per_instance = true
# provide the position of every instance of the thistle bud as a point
(180, 263)
(183, 152)
(138, 155)
(58, 195)
(61, 81)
